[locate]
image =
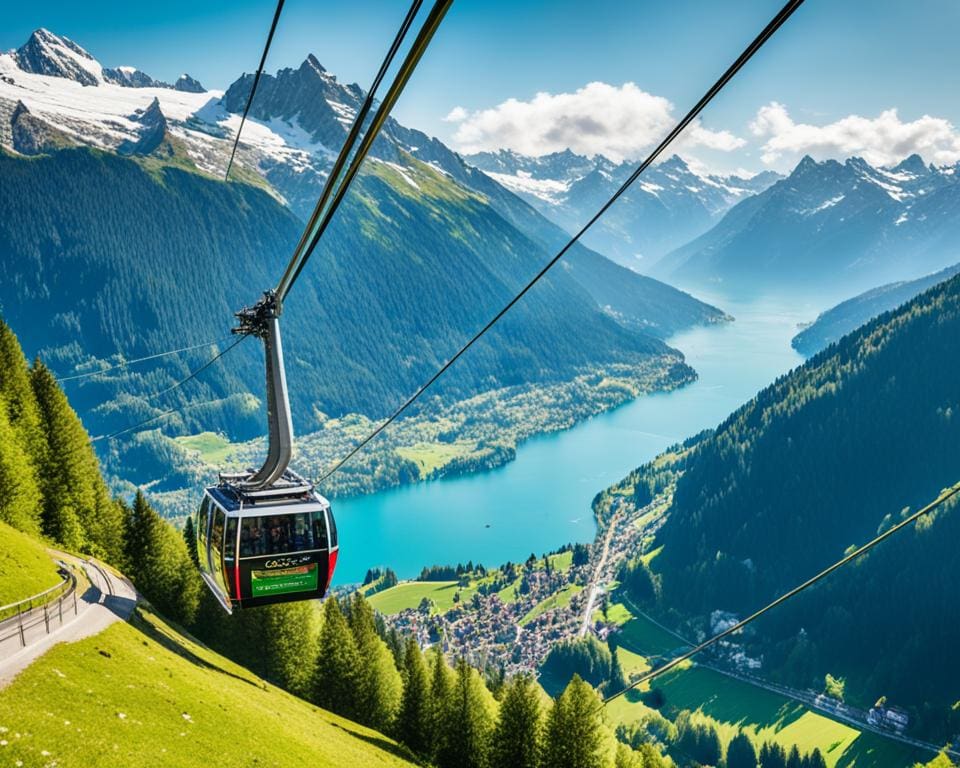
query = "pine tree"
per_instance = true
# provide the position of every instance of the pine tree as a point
(78, 511)
(289, 632)
(159, 564)
(21, 405)
(772, 755)
(441, 691)
(468, 720)
(627, 758)
(517, 738)
(190, 539)
(794, 760)
(380, 685)
(414, 724)
(816, 759)
(337, 675)
(576, 735)
(740, 752)
(617, 680)
(19, 493)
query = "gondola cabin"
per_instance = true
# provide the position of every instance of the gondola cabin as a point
(258, 547)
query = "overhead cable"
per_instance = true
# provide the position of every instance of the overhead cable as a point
(725, 78)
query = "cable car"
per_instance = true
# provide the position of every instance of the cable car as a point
(258, 547)
(266, 536)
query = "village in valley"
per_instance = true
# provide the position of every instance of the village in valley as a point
(507, 620)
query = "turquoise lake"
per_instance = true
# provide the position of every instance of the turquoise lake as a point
(542, 500)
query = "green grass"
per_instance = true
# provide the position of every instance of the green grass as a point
(140, 694)
(732, 705)
(649, 556)
(561, 562)
(511, 593)
(556, 600)
(26, 568)
(411, 593)
(213, 448)
(430, 457)
(640, 635)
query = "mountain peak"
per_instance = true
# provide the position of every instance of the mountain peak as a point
(46, 53)
(152, 132)
(188, 84)
(913, 164)
(312, 62)
(130, 77)
(805, 165)
(675, 162)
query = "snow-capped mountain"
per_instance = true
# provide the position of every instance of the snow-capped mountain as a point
(671, 204)
(297, 123)
(845, 224)
(46, 53)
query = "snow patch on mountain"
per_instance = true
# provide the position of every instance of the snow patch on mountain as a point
(523, 183)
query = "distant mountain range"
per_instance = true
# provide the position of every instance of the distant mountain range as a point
(830, 224)
(48, 54)
(121, 238)
(840, 320)
(298, 120)
(669, 206)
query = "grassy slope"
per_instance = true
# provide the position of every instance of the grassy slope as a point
(25, 566)
(556, 600)
(410, 593)
(733, 705)
(213, 448)
(140, 694)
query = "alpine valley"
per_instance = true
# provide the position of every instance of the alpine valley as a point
(669, 468)
(120, 235)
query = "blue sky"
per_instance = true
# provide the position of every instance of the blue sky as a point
(831, 61)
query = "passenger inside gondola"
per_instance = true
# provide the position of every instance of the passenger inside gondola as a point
(282, 534)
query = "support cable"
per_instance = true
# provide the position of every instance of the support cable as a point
(317, 225)
(256, 82)
(192, 375)
(127, 363)
(725, 78)
(945, 495)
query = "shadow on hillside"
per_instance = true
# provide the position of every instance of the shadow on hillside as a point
(183, 652)
(878, 751)
(378, 741)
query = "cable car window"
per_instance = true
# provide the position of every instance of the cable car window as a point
(203, 521)
(282, 534)
(230, 542)
(320, 529)
(216, 535)
(333, 528)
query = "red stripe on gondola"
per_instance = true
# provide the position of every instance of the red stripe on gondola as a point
(236, 580)
(331, 566)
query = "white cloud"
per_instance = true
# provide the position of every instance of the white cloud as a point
(456, 115)
(883, 140)
(618, 122)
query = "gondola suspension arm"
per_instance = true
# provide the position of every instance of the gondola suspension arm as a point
(263, 321)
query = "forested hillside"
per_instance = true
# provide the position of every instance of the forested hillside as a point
(101, 256)
(838, 321)
(820, 461)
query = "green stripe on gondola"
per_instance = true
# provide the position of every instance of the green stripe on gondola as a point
(302, 578)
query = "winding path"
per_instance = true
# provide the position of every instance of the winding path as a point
(109, 598)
